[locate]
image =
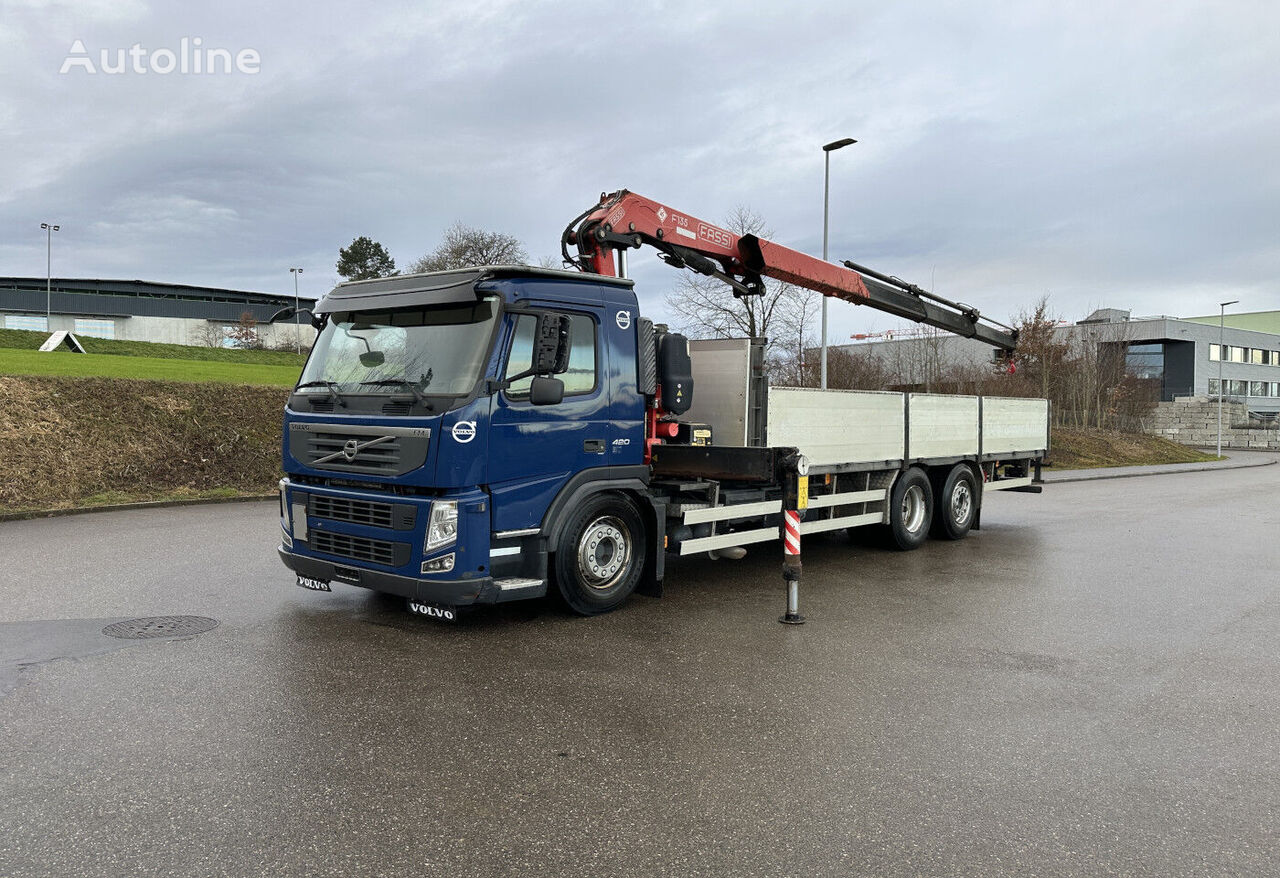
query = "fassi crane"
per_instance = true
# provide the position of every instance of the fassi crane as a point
(623, 220)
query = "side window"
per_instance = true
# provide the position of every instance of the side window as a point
(581, 377)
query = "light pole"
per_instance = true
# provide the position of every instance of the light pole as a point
(297, 318)
(1222, 352)
(49, 229)
(827, 149)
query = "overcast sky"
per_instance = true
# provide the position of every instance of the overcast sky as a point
(1111, 154)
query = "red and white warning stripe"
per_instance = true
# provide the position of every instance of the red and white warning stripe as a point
(791, 532)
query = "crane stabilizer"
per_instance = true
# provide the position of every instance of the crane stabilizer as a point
(623, 220)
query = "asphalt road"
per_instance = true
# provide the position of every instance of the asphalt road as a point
(1091, 685)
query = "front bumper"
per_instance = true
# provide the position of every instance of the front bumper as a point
(455, 592)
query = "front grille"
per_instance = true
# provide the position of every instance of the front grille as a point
(355, 548)
(354, 453)
(374, 513)
(371, 450)
(396, 407)
(354, 511)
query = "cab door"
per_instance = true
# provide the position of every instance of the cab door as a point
(535, 450)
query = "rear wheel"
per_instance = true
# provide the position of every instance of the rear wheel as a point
(600, 554)
(910, 509)
(957, 504)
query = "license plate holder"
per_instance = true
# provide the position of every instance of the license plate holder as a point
(313, 584)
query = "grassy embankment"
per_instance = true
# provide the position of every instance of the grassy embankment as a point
(135, 421)
(1075, 448)
(71, 442)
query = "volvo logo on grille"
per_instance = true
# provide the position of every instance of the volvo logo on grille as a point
(351, 449)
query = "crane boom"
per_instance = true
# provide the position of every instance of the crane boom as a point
(624, 220)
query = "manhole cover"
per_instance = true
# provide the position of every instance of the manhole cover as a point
(160, 626)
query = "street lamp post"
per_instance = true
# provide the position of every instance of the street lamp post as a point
(297, 318)
(49, 229)
(827, 149)
(1222, 319)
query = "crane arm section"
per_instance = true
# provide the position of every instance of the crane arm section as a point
(624, 220)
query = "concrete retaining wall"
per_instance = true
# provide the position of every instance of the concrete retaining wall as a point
(1193, 420)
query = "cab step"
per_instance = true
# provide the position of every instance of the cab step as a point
(516, 588)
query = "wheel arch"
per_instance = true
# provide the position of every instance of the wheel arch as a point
(633, 483)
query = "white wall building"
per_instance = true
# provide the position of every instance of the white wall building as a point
(137, 310)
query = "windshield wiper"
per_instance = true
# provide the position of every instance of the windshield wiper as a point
(402, 382)
(327, 385)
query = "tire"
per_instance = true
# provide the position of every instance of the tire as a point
(910, 510)
(600, 554)
(957, 504)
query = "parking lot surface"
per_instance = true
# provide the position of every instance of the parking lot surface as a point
(1087, 686)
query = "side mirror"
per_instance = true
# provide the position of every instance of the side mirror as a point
(288, 313)
(546, 391)
(551, 345)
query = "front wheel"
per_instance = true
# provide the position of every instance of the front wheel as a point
(957, 504)
(910, 509)
(600, 554)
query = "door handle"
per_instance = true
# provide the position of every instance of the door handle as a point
(593, 446)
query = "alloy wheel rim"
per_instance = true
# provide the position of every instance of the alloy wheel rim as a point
(604, 553)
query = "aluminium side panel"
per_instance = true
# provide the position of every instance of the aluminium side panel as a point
(838, 426)
(721, 397)
(942, 426)
(1014, 425)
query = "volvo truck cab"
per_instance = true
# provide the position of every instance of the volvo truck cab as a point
(448, 426)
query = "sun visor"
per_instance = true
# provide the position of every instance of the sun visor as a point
(403, 291)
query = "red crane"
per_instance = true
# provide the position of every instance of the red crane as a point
(622, 220)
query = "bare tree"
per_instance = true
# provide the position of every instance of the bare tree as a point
(209, 335)
(464, 246)
(851, 369)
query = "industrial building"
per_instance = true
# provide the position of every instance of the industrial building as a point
(137, 310)
(1186, 356)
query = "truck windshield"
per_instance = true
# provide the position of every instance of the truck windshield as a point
(436, 351)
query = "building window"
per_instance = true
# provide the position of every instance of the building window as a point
(1145, 361)
(1236, 354)
(1255, 356)
(1237, 388)
(96, 328)
(1275, 388)
(1257, 388)
(1215, 387)
(1266, 358)
(1215, 353)
(26, 321)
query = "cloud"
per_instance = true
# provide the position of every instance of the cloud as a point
(1105, 155)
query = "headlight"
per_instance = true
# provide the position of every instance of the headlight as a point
(283, 514)
(442, 528)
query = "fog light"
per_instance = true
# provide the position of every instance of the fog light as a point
(443, 564)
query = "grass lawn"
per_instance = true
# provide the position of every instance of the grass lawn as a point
(28, 362)
(22, 339)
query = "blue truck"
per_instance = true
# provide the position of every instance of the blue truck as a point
(497, 433)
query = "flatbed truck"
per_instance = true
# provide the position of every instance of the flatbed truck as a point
(496, 433)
